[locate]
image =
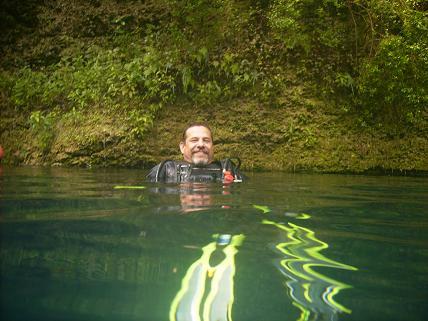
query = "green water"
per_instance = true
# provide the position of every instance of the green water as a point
(311, 247)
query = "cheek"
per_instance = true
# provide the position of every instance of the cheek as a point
(190, 147)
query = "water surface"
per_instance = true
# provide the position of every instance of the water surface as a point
(277, 247)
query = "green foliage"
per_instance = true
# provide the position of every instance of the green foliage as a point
(159, 75)
(98, 77)
(392, 83)
(151, 74)
(93, 78)
(308, 24)
(369, 53)
(30, 88)
(42, 124)
(140, 120)
(195, 73)
(224, 78)
(283, 18)
(206, 23)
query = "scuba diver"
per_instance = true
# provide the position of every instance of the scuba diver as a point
(199, 165)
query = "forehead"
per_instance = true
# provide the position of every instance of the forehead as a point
(198, 131)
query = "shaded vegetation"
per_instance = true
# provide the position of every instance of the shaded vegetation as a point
(100, 74)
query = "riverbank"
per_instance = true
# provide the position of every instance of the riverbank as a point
(300, 135)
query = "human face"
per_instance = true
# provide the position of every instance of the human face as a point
(198, 146)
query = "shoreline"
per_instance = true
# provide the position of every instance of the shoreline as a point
(299, 138)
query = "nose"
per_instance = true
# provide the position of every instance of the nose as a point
(200, 143)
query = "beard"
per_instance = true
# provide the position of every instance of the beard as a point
(198, 159)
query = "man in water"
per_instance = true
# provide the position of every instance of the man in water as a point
(199, 165)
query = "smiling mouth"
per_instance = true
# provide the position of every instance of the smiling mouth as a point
(200, 152)
(200, 155)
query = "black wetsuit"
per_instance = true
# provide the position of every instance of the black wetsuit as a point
(179, 171)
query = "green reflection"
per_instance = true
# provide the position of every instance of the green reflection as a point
(192, 300)
(129, 187)
(312, 292)
(263, 208)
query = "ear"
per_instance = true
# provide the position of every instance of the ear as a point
(182, 147)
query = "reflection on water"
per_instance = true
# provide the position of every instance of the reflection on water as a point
(192, 301)
(195, 197)
(313, 293)
(74, 247)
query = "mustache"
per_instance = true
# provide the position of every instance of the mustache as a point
(199, 149)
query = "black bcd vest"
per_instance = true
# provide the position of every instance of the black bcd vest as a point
(179, 171)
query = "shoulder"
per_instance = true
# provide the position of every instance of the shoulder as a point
(152, 175)
(233, 165)
(164, 171)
